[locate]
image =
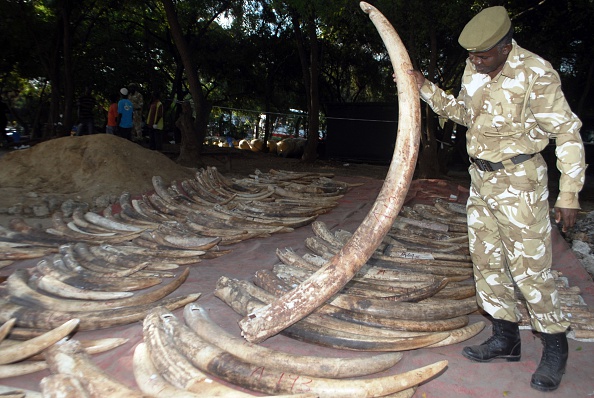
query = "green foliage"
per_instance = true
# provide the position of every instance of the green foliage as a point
(245, 51)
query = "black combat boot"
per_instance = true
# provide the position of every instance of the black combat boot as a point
(505, 343)
(552, 364)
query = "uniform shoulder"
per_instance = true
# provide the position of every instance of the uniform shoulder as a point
(530, 61)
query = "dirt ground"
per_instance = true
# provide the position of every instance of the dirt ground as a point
(101, 166)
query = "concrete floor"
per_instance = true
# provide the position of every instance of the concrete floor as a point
(461, 379)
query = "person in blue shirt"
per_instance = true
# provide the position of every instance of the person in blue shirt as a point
(125, 109)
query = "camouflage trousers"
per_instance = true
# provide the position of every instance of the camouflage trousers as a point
(137, 124)
(509, 233)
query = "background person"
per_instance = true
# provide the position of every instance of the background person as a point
(137, 102)
(154, 123)
(112, 116)
(512, 103)
(124, 119)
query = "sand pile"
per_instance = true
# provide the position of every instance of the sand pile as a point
(83, 168)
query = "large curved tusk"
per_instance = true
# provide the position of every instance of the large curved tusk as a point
(104, 222)
(63, 386)
(309, 295)
(6, 328)
(175, 367)
(26, 349)
(49, 284)
(426, 310)
(68, 357)
(91, 346)
(150, 381)
(269, 380)
(21, 368)
(197, 318)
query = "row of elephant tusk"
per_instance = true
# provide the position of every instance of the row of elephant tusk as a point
(237, 292)
(243, 296)
(18, 291)
(57, 269)
(19, 358)
(197, 318)
(194, 358)
(196, 215)
(389, 268)
(44, 318)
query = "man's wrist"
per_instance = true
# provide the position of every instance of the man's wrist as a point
(568, 200)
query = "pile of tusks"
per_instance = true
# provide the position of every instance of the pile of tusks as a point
(187, 359)
(438, 232)
(197, 214)
(21, 357)
(401, 299)
(40, 301)
(185, 356)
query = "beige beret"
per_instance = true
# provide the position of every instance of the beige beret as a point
(485, 30)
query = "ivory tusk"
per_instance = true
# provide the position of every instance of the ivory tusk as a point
(6, 328)
(26, 349)
(68, 357)
(197, 318)
(64, 386)
(312, 293)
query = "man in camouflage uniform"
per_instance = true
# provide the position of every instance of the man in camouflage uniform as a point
(512, 103)
(137, 102)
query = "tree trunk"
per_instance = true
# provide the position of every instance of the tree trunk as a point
(191, 138)
(311, 148)
(68, 119)
(187, 126)
(428, 166)
(310, 71)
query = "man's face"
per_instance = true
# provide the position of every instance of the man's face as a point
(490, 62)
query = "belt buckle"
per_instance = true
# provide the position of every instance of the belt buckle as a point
(483, 164)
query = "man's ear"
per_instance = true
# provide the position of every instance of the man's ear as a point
(506, 49)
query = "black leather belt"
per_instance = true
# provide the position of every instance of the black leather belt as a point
(485, 165)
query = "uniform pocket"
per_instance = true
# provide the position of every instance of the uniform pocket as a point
(523, 177)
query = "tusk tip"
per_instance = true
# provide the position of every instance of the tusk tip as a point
(366, 7)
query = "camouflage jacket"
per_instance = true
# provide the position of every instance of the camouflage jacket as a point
(515, 113)
(137, 100)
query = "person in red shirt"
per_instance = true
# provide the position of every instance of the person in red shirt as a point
(112, 115)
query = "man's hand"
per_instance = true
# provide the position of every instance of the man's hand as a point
(568, 216)
(419, 77)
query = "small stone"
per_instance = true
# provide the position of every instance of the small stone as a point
(103, 201)
(41, 211)
(53, 203)
(16, 209)
(70, 205)
(581, 247)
